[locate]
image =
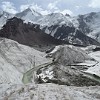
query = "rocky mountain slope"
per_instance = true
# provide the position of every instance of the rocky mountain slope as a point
(4, 16)
(89, 24)
(29, 15)
(31, 34)
(64, 27)
(16, 59)
(27, 34)
(74, 30)
(49, 92)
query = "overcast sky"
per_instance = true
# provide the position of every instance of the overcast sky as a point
(72, 7)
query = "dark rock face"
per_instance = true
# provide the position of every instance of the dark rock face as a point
(27, 34)
(84, 20)
(31, 34)
(67, 76)
(89, 25)
(85, 39)
(64, 31)
(72, 34)
(83, 27)
(96, 49)
(90, 16)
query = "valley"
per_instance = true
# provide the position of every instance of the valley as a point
(49, 57)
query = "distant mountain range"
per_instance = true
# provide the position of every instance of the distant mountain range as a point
(79, 30)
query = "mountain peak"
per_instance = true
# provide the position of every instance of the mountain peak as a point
(67, 15)
(34, 12)
(28, 11)
(29, 15)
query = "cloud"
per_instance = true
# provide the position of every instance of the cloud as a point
(45, 12)
(8, 7)
(47, 6)
(53, 5)
(23, 7)
(78, 7)
(33, 6)
(94, 4)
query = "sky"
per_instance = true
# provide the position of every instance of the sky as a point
(72, 7)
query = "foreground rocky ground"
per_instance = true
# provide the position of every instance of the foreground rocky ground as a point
(48, 92)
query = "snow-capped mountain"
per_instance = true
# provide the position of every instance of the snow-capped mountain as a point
(3, 17)
(74, 30)
(27, 34)
(31, 34)
(50, 23)
(59, 26)
(74, 71)
(90, 24)
(63, 28)
(29, 15)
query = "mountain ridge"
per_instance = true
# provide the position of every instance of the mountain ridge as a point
(70, 29)
(27, 34)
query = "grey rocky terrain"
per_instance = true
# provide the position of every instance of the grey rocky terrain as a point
(49, 92)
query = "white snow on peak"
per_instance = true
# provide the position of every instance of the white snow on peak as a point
(3, 18)
(54, 19)
(92, 20)
(29, 15)
(46, 22)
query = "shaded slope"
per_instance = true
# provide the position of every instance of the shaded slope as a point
(89, 24)
(60, 27)
(27, 34)
(4, 16)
